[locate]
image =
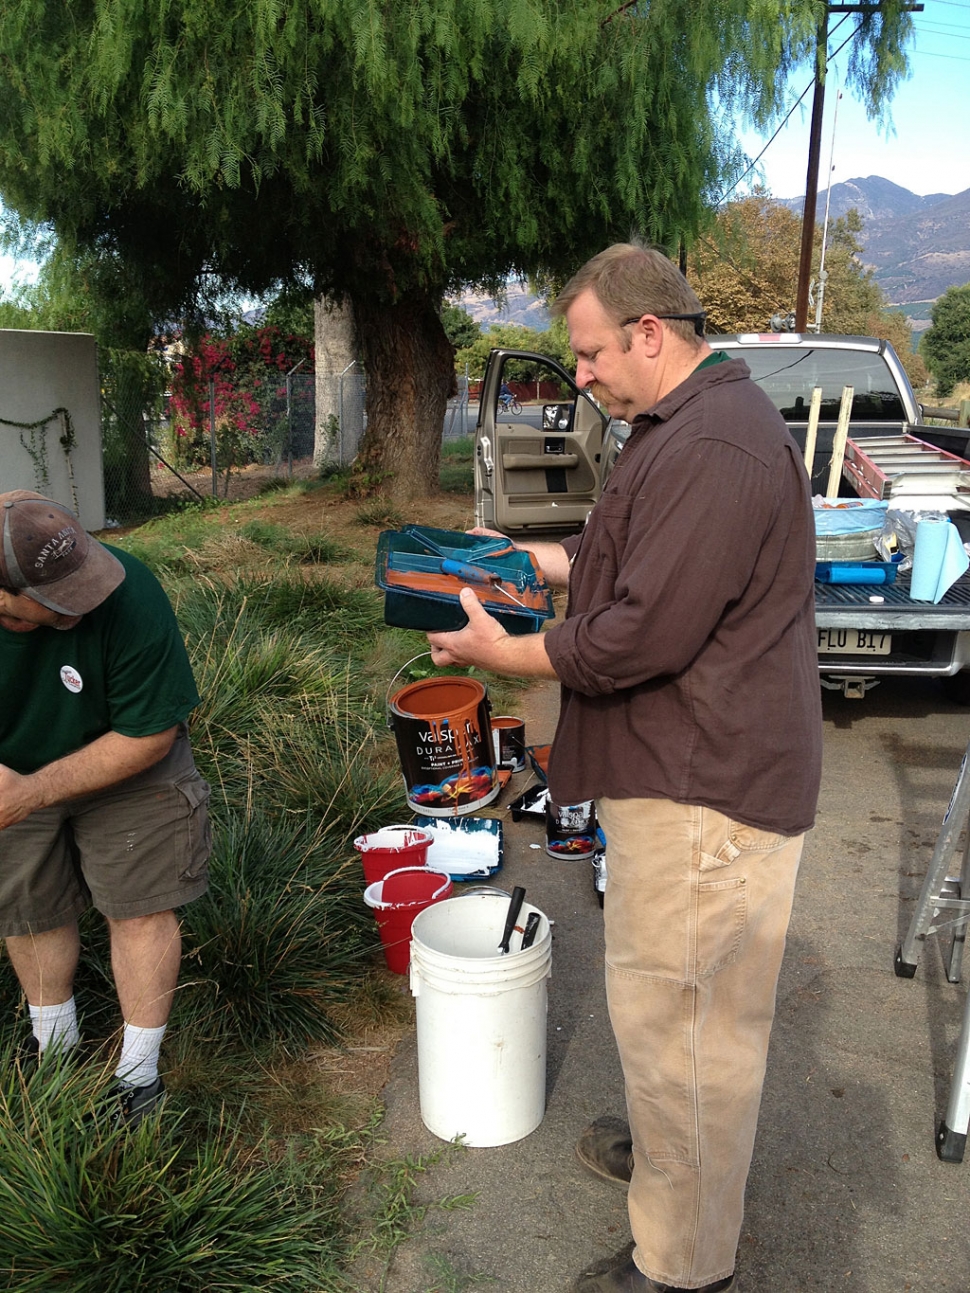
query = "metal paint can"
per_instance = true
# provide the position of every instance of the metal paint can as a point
(444, 742)
(571, 829)
(508, 736)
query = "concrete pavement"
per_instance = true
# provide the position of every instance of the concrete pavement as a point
(846, 1191)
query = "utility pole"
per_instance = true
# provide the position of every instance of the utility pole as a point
(815, 148)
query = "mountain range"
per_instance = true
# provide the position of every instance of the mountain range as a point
(916, 246)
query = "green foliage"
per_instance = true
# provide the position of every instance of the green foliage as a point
(392, 1184)
(306, 548)
(458, 466)
(380, 513)
(552, 341)
(460, 328)
(291, 313)
(285, 717)
(945, 345)
(280, 938)
(92, 1208)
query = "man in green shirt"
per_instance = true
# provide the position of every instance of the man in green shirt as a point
(100, 801)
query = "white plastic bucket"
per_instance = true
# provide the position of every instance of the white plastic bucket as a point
(481, 1020)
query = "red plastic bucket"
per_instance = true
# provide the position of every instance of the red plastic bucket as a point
(391, 848)
(396, 900)
(444, 740)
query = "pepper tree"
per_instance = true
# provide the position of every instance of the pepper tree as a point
(389, 153)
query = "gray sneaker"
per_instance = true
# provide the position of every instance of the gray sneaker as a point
(27, 1054)
(134, 1103)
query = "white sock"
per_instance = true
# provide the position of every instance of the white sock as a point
(55, 1025)
(138, 1065)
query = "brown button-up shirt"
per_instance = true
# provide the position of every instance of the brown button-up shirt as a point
(688, 654)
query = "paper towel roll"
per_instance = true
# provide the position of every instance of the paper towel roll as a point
(939, 559)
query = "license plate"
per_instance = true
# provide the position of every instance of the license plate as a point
(854, 642)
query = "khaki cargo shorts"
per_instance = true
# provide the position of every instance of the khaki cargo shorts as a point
(135, 849)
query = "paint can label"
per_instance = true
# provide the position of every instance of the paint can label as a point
(571, 829)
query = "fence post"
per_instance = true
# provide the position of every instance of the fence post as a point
(963, 417)
(212, 437)
(289, 413)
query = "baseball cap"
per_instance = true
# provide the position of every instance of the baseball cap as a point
(46, 553)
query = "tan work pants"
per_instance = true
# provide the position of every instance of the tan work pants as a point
(697, 909)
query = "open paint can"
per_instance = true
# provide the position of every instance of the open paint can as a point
(444, 741)
(508, 737)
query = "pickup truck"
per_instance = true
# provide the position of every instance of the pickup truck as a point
(540, 471)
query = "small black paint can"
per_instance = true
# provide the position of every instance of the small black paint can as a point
(508, 735)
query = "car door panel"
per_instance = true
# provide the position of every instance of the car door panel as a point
(538, 470)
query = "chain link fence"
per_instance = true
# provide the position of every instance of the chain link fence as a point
(234, 441)
(345, 394)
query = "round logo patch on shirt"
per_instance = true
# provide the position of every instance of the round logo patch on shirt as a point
(71, 679)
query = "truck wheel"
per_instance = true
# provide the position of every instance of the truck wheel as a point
(956, 688)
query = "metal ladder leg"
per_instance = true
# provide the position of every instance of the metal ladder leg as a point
(955, 963)
(947, 896)
(940, 892)
(951, 1136)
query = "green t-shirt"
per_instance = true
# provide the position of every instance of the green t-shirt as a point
(123, 669)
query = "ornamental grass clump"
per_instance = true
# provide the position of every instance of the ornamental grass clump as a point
(90, 1207)
(280, 940)
(287, 719)
(304, 548)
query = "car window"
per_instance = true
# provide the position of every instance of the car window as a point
(788, 377)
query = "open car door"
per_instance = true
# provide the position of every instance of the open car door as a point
(537, 468)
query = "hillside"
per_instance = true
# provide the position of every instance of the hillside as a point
(519, 306)
(916, 246)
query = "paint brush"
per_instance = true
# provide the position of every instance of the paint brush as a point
(515, 906)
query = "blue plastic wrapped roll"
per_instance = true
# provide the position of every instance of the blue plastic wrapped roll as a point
(939, 559)
(856, 572)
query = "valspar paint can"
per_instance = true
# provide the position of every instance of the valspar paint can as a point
(571, 829)
(444, 742)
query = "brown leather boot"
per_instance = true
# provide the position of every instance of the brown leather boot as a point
(620, 1274)
(606, 1149)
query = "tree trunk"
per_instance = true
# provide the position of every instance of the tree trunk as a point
(335, 348)
(127, 474)
(410, 366)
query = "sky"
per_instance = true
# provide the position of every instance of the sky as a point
(925, 147)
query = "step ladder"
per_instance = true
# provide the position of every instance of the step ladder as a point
(944, 903)
(903, 466)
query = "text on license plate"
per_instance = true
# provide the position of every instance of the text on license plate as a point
(854, 642)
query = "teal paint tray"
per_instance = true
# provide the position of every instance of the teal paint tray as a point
(422, 571)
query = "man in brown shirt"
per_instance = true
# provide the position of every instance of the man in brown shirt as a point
(691, 713)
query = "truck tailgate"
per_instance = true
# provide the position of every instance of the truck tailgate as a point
(840, 605)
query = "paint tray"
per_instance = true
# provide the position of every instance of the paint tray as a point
(416, 569)
(467, 848)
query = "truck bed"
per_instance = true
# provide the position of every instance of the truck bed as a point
(841, 605)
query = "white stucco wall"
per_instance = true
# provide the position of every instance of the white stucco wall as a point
(41, 372)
